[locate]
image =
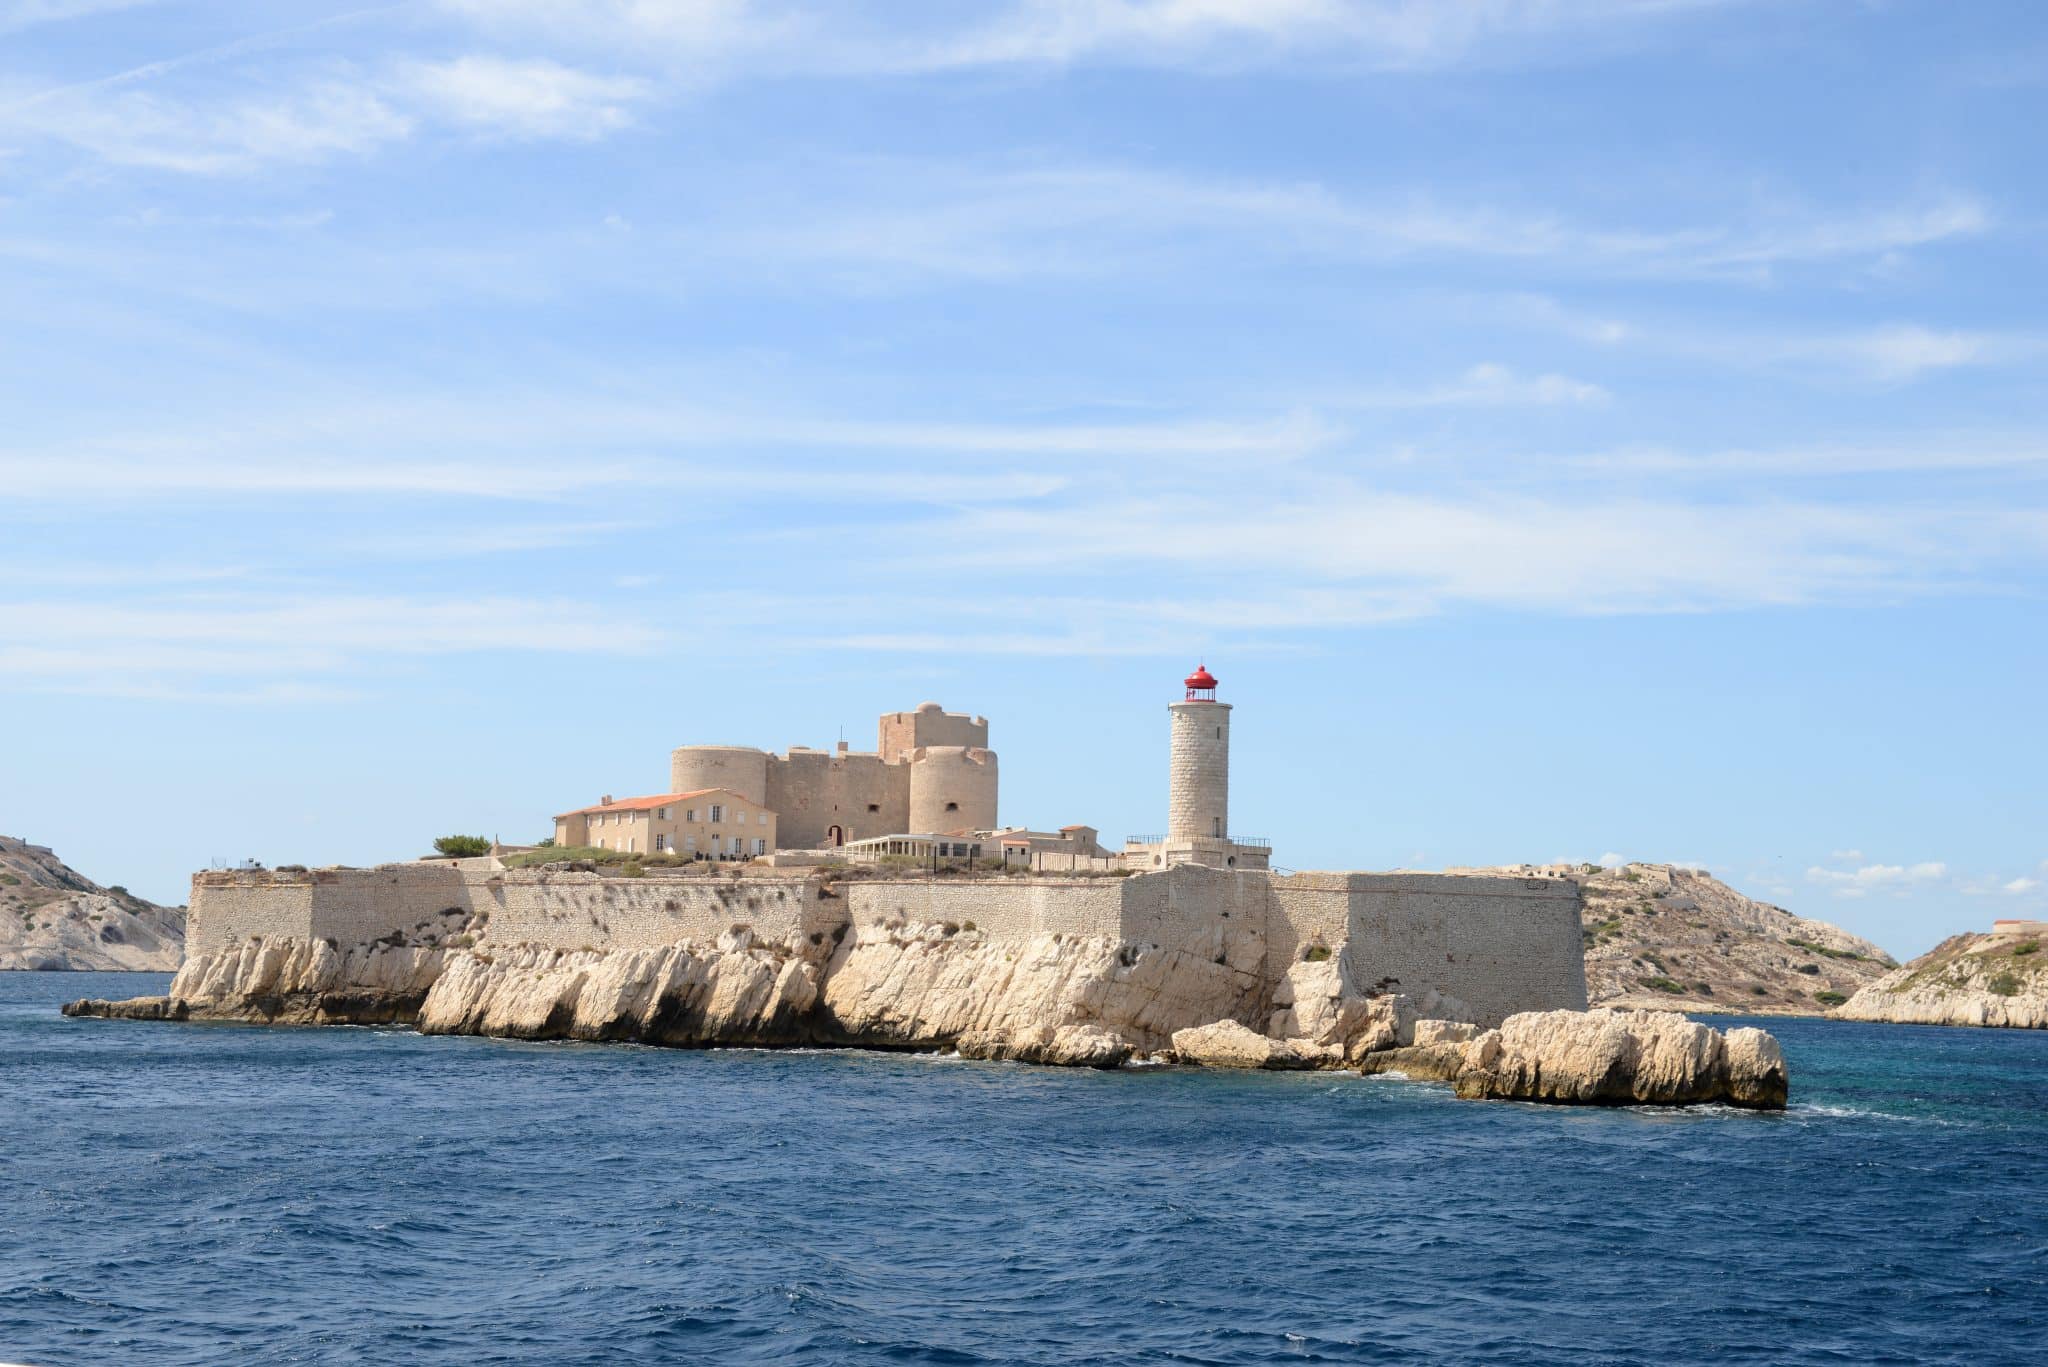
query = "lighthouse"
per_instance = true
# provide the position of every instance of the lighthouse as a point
(1198, 790)
(1198, 786)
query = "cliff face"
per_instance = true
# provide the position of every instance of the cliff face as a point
(1669, 939)
(1052, 998)
(1996, 979)
(53, 917)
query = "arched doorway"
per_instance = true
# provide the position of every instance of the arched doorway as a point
(835, 836)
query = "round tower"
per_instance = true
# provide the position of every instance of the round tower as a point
(740, 768)
(952, 788)
(1198, 793)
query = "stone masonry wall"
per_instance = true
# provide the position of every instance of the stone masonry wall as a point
(1500, 944)
(1198, 784)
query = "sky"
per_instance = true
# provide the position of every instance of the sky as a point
(1589, 429)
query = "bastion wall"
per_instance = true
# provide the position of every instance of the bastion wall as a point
(1499, 944)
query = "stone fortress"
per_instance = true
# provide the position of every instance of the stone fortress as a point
(928, 789)
(1219, 933)
(1187, 946)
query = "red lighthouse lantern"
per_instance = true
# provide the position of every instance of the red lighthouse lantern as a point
(1201, 685)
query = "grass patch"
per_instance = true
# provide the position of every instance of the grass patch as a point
(2005, 984)
(1829, 998)
(1315, 954)
(1676, 989)
(10, 880)
(1808, 969)
(2025, 948)
(1811, 948)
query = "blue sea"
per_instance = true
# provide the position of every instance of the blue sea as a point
(212, 1194)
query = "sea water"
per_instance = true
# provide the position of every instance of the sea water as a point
(210, 1194)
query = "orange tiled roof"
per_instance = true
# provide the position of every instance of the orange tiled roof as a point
(648, 804)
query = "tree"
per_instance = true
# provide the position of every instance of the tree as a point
(462, 846)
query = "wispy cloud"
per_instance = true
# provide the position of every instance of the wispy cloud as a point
(252, 121)
(1860, 882)
(868, 39)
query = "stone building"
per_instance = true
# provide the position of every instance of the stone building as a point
(930, 772)
(716, 823)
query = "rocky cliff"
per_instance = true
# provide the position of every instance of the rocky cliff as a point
(53, 917)
(1997, 979)
(1670, 939)
(1050, 998)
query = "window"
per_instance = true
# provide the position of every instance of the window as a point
(689, 844)
(874, 806)
(739, 818)
(660, 843)
(760, 845)
(735, 844)
(717, 812)
(690, 815)
(764, 818)
(661, 813)
(952, 806)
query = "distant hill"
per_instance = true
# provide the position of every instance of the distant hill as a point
(1994, 979)
(1676, 939)
(53, 917)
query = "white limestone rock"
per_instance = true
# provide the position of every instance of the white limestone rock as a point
(1983, 980)
(1621, 1058)
(1229, 1044)
(922, 986)
(1443, 1032)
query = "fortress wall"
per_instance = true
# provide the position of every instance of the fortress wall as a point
(575, 910)
(812, 790)
(1500, 945)
(1004, 909)
(227, 908)
(1187, 903)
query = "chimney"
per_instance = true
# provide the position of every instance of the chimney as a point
(605, 801)
(842, 747)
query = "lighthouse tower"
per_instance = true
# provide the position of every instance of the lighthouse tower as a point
(1198, 790)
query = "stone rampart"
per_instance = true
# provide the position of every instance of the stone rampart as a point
(1499, 944)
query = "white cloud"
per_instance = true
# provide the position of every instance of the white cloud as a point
(261, 119)
(21, 14)
(236, 136)
(539, 99)
(1869, 878)
(196, 645)
(2021, 885)
(879, 39)
(939, 221)
(1612, 861)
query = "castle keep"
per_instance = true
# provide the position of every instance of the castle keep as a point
(930, 771)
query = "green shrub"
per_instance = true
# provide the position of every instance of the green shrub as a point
(634, 870)
(2004, 985)
(2025, 948)
(462, 846)
(1829, 998)
(1757, 990)
(1315, 954)
(10, 880)
(546, 842)
(1631, 875)
(1811, 948)
(1665, 985)
(1808, 969)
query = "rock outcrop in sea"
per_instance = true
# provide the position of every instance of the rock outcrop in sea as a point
(1051, 999)
(53, 917)
(1998, 979)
